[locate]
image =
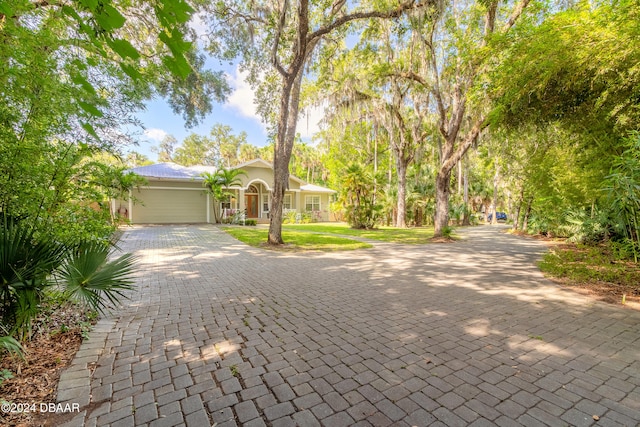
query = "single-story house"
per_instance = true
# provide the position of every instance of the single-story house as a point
(175, 194)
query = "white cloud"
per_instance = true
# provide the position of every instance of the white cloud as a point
(309, 121)
(155, 134)
(242, 100)
(198, 24)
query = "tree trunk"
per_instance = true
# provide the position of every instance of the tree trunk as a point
(419, 213)
(287, 118)
(441, 219)
(525, 221)
(516, 220)
(282, 156)
(467, 211)
(216, 214)
(448, 160)
(401, 165)
(496, 178)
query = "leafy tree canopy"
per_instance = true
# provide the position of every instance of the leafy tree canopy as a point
(73, 73)
(579, 66)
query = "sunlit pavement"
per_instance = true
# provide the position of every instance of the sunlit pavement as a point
(465, 333)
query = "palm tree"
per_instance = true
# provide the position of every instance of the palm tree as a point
(358, 197)
(123, 182)
(218, 184)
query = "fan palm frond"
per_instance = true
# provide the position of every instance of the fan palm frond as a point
(89, 277)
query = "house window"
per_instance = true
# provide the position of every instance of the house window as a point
(286, 203)
(265, 202)
(228, 203)
(312, 203)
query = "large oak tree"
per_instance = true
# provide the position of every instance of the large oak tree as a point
(277, 40)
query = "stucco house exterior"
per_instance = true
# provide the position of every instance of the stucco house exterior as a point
(174, 195)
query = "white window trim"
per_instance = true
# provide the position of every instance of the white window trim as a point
(306, 202)
(284, 201)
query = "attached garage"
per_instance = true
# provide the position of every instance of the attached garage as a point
(164, 205)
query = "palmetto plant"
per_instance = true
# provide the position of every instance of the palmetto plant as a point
(9, 344)
(89, 277)
(33, 265)
(358, 197)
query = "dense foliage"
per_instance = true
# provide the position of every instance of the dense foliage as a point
(72, 76)
(36, 267)
(573, 156)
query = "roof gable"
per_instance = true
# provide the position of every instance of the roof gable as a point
(256, 163)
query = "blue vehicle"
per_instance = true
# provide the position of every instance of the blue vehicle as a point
(500, 216)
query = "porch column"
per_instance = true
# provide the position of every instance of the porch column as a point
(208, 209)
(241, 205)
(130, 205)
(298, 205)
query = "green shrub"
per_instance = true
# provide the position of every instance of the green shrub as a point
(252, 222)
(290, 217)
(31, 264)
(447, 232)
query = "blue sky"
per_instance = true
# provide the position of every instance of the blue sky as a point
(238, 112)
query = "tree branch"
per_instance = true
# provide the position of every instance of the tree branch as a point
(276, 41)
(410, 75)
(472, 136)
(44, 3)
(515, 15)
(408, 5)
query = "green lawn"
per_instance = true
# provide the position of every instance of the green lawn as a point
(385, 234)
(296, 240)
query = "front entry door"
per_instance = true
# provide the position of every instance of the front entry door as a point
(251, 203)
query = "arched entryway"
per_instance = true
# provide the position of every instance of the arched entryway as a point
(257, 200)
(251, 199)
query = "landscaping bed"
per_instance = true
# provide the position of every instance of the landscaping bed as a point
(33, 380)
(594, 270)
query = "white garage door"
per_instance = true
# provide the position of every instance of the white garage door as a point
(169, 206)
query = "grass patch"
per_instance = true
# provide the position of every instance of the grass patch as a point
(580, 263)
(417, 235)
(596, 271)
(296, 240)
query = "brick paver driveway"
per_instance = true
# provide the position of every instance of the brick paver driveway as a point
(467, 333)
